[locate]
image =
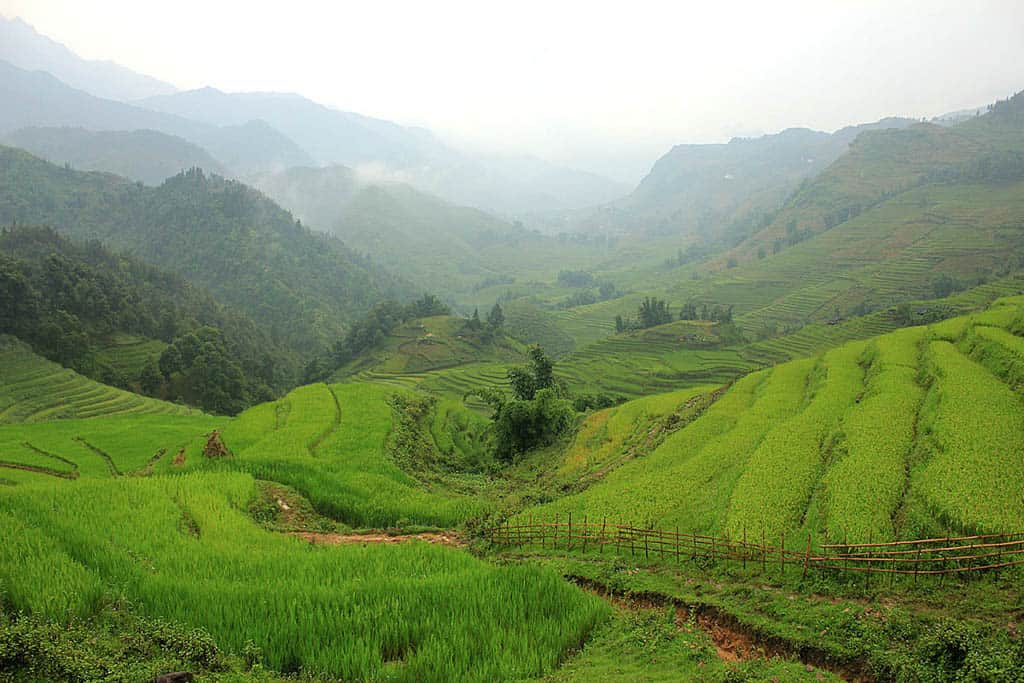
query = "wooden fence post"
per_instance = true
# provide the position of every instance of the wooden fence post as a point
(807, 558)
(604, 521)
(677, 544)
(744, 547)
(585, 531)
(917, 563)
(782, 555)
(646, 549)
(764, 553)
(568, 533)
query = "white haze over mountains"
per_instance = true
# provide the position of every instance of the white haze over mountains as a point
(605, 87)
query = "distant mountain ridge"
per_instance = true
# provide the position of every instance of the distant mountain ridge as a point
(23, 46)
(144, 155)
(38, 99)
(507, 185)
(714, 188)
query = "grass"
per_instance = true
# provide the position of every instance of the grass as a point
(180, 548)
(99, 447)
(128, 355)
(330, 444)
(33, 389)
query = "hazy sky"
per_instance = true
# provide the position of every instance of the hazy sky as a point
(605, 86)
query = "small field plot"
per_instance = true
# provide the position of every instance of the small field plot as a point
(330, 443)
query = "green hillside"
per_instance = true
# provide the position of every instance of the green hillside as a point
(144, 155)
(221, 235)
(912, 434)
(33, 389)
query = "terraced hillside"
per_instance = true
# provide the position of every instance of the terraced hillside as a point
(102, 447)
(33, 389)
(333, 444)
(128, 354)
(915, 433)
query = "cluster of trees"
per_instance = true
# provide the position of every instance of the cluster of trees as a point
(1005, 166)
(653, 311)
(575, 278)
(370, 332)
(66, 300)
(605, 291)
(716, 313)
(486, 331)
(198, 368)
(536, 414)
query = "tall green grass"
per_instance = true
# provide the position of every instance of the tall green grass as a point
(181, 548)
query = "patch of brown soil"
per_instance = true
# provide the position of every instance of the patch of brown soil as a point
(443, 538)
(733, 641)
(179, 458)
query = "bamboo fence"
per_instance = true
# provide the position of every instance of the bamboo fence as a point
(924, 557)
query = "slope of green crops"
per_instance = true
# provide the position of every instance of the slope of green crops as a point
(99, 447)
(328, 442)
(181, 548)
(33, 389)
(974, 476)
(899, 436)
(864, 487)
(775, 490)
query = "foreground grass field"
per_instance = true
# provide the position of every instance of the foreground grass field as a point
(915, 433)
(182, 548)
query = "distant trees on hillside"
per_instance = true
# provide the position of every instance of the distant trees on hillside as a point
(66, 300)
(371, 331)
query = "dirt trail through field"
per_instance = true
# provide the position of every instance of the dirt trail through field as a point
(732, 641)
(443, 538)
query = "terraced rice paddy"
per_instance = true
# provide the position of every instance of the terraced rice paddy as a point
(127, 355)
(898, 437)
(33, 389)
(329, 443)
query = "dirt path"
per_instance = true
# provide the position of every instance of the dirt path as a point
(733, 642)
(448, 538)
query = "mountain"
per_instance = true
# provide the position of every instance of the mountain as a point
(508, 185)
(110, 316)
(38, 99)
(301, 287)
(428, 240)
(22, 46)
(144, 155)
(881, 164)
(328, 135)
(723, 189)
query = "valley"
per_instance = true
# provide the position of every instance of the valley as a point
(293, 393)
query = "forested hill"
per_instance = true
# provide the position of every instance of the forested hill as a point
(113, 318)
(301, 287)
(438, 244)
(148, 156)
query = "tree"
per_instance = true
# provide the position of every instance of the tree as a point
(620, 325)
(151, 380)
(496, 318)
(536, 414)
(474, 323)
